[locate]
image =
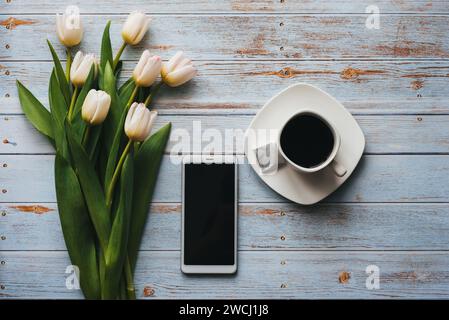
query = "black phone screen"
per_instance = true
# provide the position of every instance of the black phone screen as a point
(209, 217)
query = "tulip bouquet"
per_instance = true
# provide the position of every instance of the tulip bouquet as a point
(106, 162)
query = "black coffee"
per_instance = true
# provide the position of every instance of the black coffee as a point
(307, 140)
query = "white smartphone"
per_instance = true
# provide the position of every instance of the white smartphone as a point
(209, 214)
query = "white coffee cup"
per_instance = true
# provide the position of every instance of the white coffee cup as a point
(330, 161)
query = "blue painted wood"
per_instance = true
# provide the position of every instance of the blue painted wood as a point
(229, 37)
(411, 134)
(246, 51)
(266, 274)
(264, 226)
(364, 87)
(378, 178)
(228, 6)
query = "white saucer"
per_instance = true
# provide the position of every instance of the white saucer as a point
(306, 188)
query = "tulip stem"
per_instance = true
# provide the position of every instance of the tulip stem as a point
(119, 54)
(72, 103)
(116, 175)
(132, 97)
(129, 280)
(153, 93)
(86, 136)
(68, 65)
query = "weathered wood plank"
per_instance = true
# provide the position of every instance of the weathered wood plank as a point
(364, 87)
(268, 274)
(378, 178)
(28, 227)
(228, 6)
(225, 37)
(384, 134)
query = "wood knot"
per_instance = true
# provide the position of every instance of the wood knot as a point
(344, 277)
(417, 84)
(37, 209)
(349, 73)
(11, 23)
(148, 291)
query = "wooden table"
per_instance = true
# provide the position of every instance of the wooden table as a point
(393, 212)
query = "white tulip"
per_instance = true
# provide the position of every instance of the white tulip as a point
(139, 121)
(147, 70)
(80, 68)
(95, 107)
(69, 28)
(135, 27)
(178, 70)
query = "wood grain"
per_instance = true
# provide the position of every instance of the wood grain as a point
(392, 212)
(265, 226)
(378, 178)
(227, 6)
(229, 37)
(411, 134)
(364, 87)
(414, 275)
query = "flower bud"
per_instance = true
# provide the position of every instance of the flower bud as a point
(135, 27)
(95, 107)
(178, 70)
(80, 68)
(147, 70)
(139, 121)
(69, 28)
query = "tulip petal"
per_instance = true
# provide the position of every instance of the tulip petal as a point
(138, 70)
(59, 27)
(77, 61)
(143, 30)
(184, 63)
(180, 76)
(129, 117)
(173, 62)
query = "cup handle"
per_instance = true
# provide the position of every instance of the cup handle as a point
(338, 169)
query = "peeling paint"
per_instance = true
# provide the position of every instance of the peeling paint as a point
(256, 47)
(351, 73)
(410, 49)
(249, 210)
(166, 208)
(288, 72)
(37, 209)
(344, 277)
(148, 291)
(160, 47)
(12, 23)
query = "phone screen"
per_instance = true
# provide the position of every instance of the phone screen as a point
(209, 217)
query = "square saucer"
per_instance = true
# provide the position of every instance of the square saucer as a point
(306, 188)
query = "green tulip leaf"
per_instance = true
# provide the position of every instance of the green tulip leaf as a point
(35, 112)
(147, 162)
(77, 228)
(118, 69)
(119, 140)
(92, 142)
(126, 90)
(118, 241)
(60, 75)
(91, 187)
(111, 124)
(56, 99)
(77, 122)
(106, 48)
